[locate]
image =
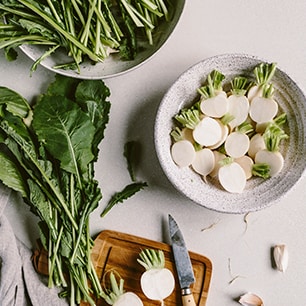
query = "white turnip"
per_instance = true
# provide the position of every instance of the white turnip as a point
(274, 159)
(208, 132)
(157, 282)
(216, 106)
(237, 144)
(116, 295)
(231, 176)
(257, 143)
(204, 162)
(183, 153)
(218, 157)
(246, 163)
(263, 109)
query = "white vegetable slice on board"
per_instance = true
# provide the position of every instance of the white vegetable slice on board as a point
(237, 144)
(274, 159)
(257, 143)
(231, 176)
(157, 282)
(204, 162)
(183, 153)
(115, 295)
(208, 132)
(246, 163)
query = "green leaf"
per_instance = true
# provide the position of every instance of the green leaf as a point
(125, 194)
(92, 96)
(66, 131)
(131, 152)
(10, 174)
(14, 103)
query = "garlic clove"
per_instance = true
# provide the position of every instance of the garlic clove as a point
(250, 299)
(281, 256)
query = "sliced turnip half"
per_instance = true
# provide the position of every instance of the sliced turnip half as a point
(213, 101)
(246, 163)
(257, 143)
(157, 282)
(264, 72)
(264, 109)
(231, 176)
(183, 153)
(237, 144)
(225, 131)
(238, 103)
(208, 132)
(116, 295)
(182, 134)
(216, 106)
(204, 162)
(218, 157)
(275, 160)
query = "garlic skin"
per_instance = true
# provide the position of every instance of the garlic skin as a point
(250, 299)
(281, 257)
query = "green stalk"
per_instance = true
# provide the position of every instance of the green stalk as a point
(62, 31)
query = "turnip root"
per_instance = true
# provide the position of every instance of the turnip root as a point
(263, 109)
(207, 132)
(214, 101)
(225, 132)
(257, 143)
(246, 163)
(237, 144)
(215, 107)
(263, 74)
(204, 162)
(182, 134)
(157, 282)
(183, 153)
(238, 103)
(231, 176)
(117, 296)
(218, 157)
(274, 159)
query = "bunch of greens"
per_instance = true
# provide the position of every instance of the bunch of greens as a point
(90, 28)
(47, 153)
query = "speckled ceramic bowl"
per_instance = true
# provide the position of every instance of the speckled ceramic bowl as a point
(258, 193)
(113, 65)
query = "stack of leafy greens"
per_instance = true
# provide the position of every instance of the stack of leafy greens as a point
(47, 153)
(90, 28)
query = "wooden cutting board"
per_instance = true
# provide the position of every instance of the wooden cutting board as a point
(118, 251)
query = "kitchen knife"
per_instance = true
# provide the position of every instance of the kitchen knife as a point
(182, 263)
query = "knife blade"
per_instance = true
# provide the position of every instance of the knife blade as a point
(182, 263)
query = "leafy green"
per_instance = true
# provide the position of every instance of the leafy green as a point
(50, 161)
(127, 192)
(84, 29)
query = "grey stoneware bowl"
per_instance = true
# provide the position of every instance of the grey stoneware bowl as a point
(112, 66)
(259, 193)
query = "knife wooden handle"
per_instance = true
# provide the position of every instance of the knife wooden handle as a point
(188, 300)
(187, 297)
